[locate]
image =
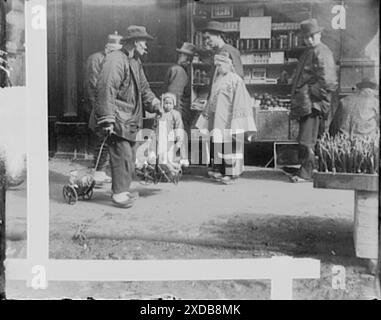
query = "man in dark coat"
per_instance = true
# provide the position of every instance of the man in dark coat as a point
(122, 93)
(315, 80)
(213, 36)
(177, 81)
(358, 114)
(94, 66)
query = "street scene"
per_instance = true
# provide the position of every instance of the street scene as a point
(188, 130)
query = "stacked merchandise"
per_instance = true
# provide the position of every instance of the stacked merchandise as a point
(267, 101)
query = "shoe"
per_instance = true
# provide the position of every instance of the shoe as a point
(184, 163)
(122, 200)
(290, 170)
(134, 195)
(215, 175)
(297, 179)
(228, 180)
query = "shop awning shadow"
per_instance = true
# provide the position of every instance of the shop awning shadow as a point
(326, 239)
(196, 178)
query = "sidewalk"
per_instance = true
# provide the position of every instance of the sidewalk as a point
(260, 216)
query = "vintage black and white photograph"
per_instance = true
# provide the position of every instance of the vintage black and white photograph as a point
(183, 130)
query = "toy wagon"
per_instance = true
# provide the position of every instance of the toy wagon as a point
(155, 173)
(81, 184)
(79, 187)
(152, 171)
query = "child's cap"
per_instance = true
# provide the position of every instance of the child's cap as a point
(170, 96)
(114, 41)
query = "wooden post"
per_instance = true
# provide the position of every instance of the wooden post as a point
(2, 230)
(366, 224)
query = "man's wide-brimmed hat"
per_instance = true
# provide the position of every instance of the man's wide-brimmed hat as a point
(309, 27)
(114, 41)
(187, 48)
(137, 32)
(367, 83)
(214, 26)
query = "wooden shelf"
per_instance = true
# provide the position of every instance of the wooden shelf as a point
(271, 50)
(270, 64)
(284, 30)
(275, 31)
(201, 64)
(200, 85)
(284, 85)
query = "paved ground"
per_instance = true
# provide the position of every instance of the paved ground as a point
(261, 216)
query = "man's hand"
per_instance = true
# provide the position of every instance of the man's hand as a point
(156, 105)
(108, 129)
(178, 141)
(316, 113)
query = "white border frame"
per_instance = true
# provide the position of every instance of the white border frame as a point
(37, 268)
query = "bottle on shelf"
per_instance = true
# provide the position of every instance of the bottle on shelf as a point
(203, 76)
(197, 77)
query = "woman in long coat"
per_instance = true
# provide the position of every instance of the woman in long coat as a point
(230, 115)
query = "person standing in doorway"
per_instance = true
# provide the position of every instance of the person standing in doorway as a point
(94, 65)
(123, 93)
(314, 81)
(213, 36)
(177, 82)
(229, 115)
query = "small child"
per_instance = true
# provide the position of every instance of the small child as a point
(169, 132)
(174, 125)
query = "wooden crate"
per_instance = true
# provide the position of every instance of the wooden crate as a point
(272, 125)
(346, 181)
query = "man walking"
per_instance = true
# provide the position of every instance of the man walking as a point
(94, 65)
(122, 93)
(315, 80)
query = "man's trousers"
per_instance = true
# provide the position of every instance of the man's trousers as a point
(122, 161)
(307, 138)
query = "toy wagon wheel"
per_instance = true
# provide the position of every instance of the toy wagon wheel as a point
(88, 195)
(175, 179)
(70, 194)
(146, 179)
(156, 180)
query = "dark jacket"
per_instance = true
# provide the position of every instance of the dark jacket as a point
(93, 69)
(314, 81)
(94, 65)
(357, 115)
(177, 81)
(122, 93)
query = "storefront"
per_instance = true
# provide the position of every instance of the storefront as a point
(77, 29)
(269, 51)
